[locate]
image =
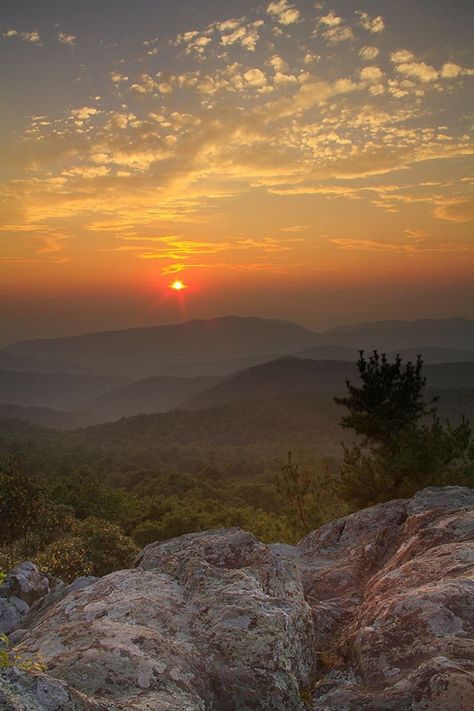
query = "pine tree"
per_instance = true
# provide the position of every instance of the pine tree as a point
(399, 450)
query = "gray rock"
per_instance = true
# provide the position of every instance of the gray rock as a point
(25, 582)
(22, 587)
(23, 691)
(12, 609)
(373, 612)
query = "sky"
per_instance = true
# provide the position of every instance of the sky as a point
(297, 160)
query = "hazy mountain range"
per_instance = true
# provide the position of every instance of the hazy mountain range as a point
(146, 351)
(68, 382)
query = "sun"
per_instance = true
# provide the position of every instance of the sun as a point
(178, 285)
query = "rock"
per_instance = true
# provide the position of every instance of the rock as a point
(23, 691)
(12, 609)
(22, 587)
(372, 612)
(57, 592)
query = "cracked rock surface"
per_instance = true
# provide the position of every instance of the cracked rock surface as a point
(371, 612)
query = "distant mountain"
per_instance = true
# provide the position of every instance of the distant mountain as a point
(54, 390)
(223, 345)
(46, 416)
(145, 350)
(395, 335)
(430, 354)
(285, 375)
(156, 394)
(26, 364)
(217, 368)
(295, 375)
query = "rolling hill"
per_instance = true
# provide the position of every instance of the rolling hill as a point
(223, 345)
(299, 375)
(46, 416)
(284, 375)
(156, 394)
(393, 336)
(143, 351)
(60, 391)
(25, 364)
(430, 354)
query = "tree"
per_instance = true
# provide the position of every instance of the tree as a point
(389, 401)
(23, 510)
(399, 451)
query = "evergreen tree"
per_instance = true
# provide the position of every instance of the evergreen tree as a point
(399, 450)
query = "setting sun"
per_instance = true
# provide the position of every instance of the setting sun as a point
(178, 285)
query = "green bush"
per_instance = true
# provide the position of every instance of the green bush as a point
(93, 547)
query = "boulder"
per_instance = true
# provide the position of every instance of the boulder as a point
(22, 587)
(372, 612)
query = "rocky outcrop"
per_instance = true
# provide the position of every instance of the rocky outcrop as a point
(22, 587)
(373, 611)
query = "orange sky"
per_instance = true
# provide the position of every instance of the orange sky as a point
(285, 159)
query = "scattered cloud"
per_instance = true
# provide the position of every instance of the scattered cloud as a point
(418, 70)
(66, 38)
(255, 78)
(375, 25)
(334, 30)
(31, 36)
(368, 54)
(250, 107)
(284, 12)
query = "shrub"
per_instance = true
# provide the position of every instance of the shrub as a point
(93, 547)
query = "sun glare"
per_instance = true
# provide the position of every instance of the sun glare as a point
(178, 285)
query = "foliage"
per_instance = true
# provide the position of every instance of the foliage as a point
(399, 452)
(65, 558)
(185, 515)
(86, 496)
(305, 495)
(92, 547)
(389, 400)
(27, 516)
(9, 659)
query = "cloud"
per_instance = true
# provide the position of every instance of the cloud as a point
(84, 113)
(117, 78)
(65, 38)
(458, 210)
(402, 56)
(368, 54)
(375, 25)
(421, 243)
(246, 36)
(352, 244)
(295, 228)
(255, 78)
(283, 12)
(371, 74)
(193, 42)
(32, 36)
(333, 29)
(452, 71)
(418, 70)
(277, 63)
